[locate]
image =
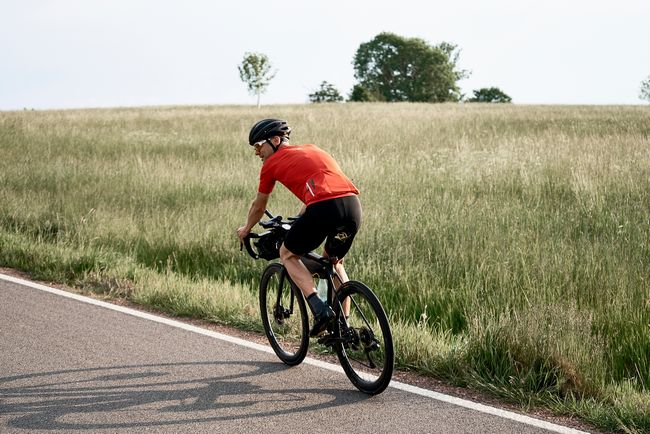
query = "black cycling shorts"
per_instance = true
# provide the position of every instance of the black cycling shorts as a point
(335, 220)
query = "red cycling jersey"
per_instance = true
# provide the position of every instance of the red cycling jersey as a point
(308, 172)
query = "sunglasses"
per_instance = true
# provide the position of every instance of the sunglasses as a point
(260, 143)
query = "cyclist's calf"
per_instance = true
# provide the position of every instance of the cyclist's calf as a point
(297, 271)
(340, 278)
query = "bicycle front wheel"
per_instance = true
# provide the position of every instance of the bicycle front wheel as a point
(366, 353)
(284, 315)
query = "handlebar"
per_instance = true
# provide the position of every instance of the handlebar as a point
(274, 225)
(246, 242)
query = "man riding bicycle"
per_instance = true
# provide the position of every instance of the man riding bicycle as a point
(331, 210)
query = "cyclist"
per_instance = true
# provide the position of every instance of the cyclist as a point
(331, 209)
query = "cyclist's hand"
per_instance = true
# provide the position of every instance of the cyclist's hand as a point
(242, 232)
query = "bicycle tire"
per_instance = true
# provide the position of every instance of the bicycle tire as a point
(286, 324)
(367, 341)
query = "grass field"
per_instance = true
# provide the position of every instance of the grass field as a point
(509, 244)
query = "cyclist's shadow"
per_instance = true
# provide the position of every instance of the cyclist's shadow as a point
(146, 395)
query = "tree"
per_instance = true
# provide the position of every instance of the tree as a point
(645, 89)
(255, 71)
(326, 93)
(361, 94)
(490, 94)
(394, 68)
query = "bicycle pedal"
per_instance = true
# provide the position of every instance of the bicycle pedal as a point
(324, 336)
(329, 339)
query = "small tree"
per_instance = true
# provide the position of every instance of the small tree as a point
(255, 71)
(645, 89)
(361, 94)
(326, 93)
(490, 94)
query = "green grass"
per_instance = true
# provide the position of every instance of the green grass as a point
(509, 244)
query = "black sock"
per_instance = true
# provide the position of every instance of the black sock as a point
(316, 305)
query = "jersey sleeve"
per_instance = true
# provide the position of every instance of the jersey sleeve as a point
(267, 182)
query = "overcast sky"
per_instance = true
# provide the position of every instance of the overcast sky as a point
(87, 53)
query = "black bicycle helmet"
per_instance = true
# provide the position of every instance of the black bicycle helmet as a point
(267, 128)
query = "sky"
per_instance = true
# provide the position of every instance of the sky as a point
(90, 53)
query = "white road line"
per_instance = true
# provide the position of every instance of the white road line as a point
(329, 366)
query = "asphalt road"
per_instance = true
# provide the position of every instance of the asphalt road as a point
(73, 366)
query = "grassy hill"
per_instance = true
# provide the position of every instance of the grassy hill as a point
(509, 244)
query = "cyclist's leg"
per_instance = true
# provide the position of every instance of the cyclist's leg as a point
(340, 271)
(340, 279)
(298, 272)
(304, 236)
(340, 238)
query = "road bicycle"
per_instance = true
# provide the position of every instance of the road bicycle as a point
(360, 334)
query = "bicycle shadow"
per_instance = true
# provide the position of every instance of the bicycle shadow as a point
(134, 396)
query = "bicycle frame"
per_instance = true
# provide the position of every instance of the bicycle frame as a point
(319, 265)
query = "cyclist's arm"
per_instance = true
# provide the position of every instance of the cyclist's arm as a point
(255, 213)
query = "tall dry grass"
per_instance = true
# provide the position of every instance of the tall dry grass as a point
(509, 244)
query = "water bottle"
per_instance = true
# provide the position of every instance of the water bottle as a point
(321, 288)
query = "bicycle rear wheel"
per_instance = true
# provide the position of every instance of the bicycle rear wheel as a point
(366, 353)
(284, 315)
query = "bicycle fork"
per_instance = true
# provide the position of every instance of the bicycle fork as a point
(280, 313)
